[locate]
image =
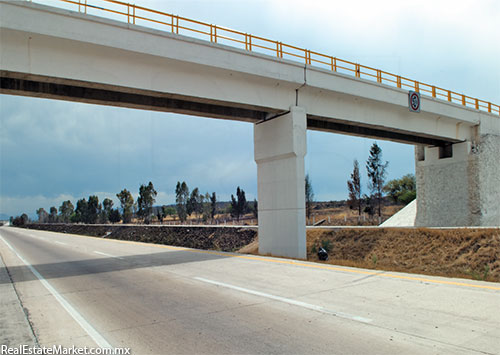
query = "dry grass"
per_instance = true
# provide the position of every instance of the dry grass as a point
(469, 253)
(464, 253)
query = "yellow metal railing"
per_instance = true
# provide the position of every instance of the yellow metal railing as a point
(217, 34)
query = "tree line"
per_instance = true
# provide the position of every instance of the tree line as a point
(90, 211)
(204, 207)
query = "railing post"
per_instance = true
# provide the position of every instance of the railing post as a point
(489, 107)
(248, 42)
(335, 63)
(449, 95)
(463, 100)
(433, 91)
(213, 33)
(398, 81)
(358, 69)
(417, 86)
(133, 15)
(477, 104)
(308, 56)
(379, 76)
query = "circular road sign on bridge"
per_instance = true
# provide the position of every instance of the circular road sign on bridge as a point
(414, 101)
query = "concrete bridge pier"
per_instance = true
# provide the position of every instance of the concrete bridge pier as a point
(280, 147)
(459, 185)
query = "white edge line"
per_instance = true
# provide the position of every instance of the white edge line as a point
(111, 256)
(288, 300)
(58, 242)
(91, 331)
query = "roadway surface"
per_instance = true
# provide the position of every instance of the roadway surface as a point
(165, 300)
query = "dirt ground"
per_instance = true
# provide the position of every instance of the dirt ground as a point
(464, 253)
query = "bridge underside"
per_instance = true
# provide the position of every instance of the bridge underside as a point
(100, 94)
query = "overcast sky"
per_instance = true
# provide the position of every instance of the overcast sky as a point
(52, 151)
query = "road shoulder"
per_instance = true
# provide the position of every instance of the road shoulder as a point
(15, 329)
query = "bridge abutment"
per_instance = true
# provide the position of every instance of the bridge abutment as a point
(459, 185)
(280, 147)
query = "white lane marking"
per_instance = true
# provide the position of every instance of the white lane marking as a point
(111, 256)
(60, 242)
(91, 331)
(288, 300)
(35, 236)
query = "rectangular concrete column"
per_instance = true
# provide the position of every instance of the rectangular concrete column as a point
(280, 147)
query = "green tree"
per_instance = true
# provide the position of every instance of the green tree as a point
(309, 196)
(376, 170)
(127, 205)
(213, 205)
(239, 205)
(402, 190)
(169, 211)
(107, 207)
(193, 203)
(207, 207)
(160, 214)
(93, 209)
(43, 216)
(354, 186)
(53, 215)
(369, 207)
(66, 211)
(114, 216)
(81, 211)
(181, 198)
(21, 221)
(255, 208)
(145, 201)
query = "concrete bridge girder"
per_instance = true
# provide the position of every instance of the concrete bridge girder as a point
(86, 51)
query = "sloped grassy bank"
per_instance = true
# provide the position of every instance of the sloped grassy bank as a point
(468, 253)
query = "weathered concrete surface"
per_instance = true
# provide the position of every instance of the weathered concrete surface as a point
(15, 329)
(462, 190)
(280, 147)
(487, 198)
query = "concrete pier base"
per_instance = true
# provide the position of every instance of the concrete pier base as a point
(459, 185)
(280, 147)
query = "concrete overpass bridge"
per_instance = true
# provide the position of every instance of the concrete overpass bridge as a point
(150, 60)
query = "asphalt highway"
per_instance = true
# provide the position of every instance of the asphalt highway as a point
(156, 299)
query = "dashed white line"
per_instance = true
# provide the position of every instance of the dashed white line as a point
(91, 331)
(58, 242)
(111, 256)
(288, 300)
